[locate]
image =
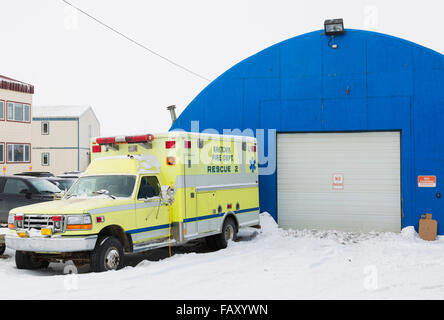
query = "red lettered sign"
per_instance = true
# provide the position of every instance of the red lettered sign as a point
(427, 181)
(338, 181)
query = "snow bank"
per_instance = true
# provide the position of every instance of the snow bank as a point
(270, 263)
(409, 233)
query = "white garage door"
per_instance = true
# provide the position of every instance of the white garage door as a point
(339, 181)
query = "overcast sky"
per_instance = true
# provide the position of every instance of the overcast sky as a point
(72, 60)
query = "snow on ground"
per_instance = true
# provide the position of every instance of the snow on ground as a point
(268, 264)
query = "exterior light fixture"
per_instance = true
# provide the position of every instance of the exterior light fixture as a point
(334, 27)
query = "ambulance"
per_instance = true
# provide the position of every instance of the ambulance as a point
(140, 193)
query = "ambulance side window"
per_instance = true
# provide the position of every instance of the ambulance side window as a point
(149, 187)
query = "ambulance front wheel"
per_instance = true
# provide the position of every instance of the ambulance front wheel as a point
(107, 255)
(220, 241)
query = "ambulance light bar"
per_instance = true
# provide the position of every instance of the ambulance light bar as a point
(106, 140)
(144, 138)
(125, 139)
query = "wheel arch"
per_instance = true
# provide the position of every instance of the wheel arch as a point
(117, 232)
(231, 215)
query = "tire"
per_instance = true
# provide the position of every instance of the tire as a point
(220, 241)
(107, 255)
(2, 249)
(27, 261)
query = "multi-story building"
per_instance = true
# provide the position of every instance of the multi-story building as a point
(15, 125)
(61, 137)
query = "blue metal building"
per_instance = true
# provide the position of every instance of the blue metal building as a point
(370, 83)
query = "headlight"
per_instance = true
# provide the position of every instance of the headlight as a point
(80, 222)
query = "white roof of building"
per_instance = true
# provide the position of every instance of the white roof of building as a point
(59, 111)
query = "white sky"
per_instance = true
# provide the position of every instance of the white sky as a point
(72, 60)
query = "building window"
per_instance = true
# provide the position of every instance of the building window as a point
(18, 152)
(2, 153)
(2, 110)
(45, 159)
(19, 112)
(45, 128)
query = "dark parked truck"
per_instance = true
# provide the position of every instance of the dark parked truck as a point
(2, 244)
(17, 191)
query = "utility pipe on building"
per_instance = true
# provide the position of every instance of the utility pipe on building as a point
(172, 110)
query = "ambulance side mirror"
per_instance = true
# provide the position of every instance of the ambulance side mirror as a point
(167, 194)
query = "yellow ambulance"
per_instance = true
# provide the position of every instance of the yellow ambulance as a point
(140, 193)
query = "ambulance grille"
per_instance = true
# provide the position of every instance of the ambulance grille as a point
(37, 221)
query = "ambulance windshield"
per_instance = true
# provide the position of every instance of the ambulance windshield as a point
(108, 185)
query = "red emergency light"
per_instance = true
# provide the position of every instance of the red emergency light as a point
(170, 144)
(143, 138)
(128, 139)
(109, 140)
(96, 148)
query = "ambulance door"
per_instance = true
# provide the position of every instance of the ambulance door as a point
(152, 217)
(190, 203)
(206, 212)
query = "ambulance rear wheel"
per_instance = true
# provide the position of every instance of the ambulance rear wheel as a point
(28, 261)
(220, 241)
(108, 255)
(2, 249)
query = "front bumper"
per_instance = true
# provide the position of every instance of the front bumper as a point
(51, 245)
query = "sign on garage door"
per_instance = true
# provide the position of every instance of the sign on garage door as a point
(340, 181)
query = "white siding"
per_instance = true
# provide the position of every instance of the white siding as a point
(68, 139)
(370, 166)
(89, 128)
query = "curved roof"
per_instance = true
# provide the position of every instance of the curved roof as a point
(365, 65)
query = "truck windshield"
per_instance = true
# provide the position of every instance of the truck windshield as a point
(44, 186)
(109, 185)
